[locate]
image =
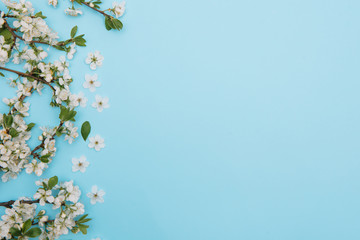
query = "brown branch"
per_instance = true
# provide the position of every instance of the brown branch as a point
(21, 98)
(41, 145)
(99, 11)
(13, 33)
(28, 76)
(8, 204)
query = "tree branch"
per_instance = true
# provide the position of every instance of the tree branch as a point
(42, 143)
(99, 11)
(28, 76)
(8, 204)
(13, 33)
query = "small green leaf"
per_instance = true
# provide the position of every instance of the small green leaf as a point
(13, 133)
(80, 40)
(15, 232)
(6, 33)
(33, 232)
(30, 126)
(73, 31)
(27, 225)
(117, 23)
(83, 219)
(61, 48)
(85, 130)
(83, 228)
(58, 133)
(113, 23)
(39, 14)
(63, 112)
(45, 158)
(66, 114)
(52, 182)
(71, 116)
(8, 120)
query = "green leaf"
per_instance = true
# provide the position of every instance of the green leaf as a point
(8, 120)
(71, 116)
(66, 114)
(63, 112)
(118, 24)
(83, 228)
(33, 233)
(108, 24)
(58, 133)
(113, 23)
(45, 158)
(30, 126)
(27, 225)
(13, 133)
(80, 41)
(85, 130)
(15, 232)
(83, 219)
(1, 74)
(6, 33)
(73, 31)
(39, 14)
(61, 48)
(52, 182)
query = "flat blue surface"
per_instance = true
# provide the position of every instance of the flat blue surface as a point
(229, 120)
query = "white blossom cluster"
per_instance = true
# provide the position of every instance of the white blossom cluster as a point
(118, 8)
(31, 27)
(22, 33)
(111, 14)
(24, 30)
(63, 197)
(4, 48)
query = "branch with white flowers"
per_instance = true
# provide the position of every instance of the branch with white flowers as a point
(21, 29)
(25, 65)
(23, 219)
(111, 15)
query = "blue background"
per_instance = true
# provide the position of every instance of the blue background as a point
(234, 119)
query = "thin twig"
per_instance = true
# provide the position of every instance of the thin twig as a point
(102, 12)
(42, 143)
(28, 76)
(13, 33)
(8, 204)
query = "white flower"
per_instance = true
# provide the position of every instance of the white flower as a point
(96, 142)
(91, 82)
(72, 51)
(23, 108)
(78, 99)
(36, 167)
(94, 59)
(73, 12)
(118, 8)
(53, 2)
(44, 196)
(100, 103)
(80, 164)
(71, 132)
(96, 195)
